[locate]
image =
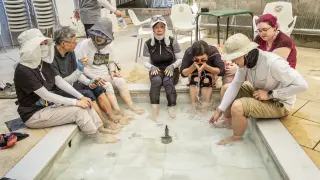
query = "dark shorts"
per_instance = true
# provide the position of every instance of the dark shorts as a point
(84, 90)
(205, 80)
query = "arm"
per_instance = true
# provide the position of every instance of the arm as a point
(84, 80)
(177, 53)
(72, 78)
(233, 90)
(217, 67)
(46, 95)
(106, 4)
(187, 66)
(282, 52)
(63, 85)
(293, 82)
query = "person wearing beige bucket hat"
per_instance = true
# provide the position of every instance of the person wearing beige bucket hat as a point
(35, 78)
(265, 86)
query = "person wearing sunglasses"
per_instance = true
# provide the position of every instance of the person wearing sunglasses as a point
(201, 63)
(99, 51)
(271, 39)
(163, 57)
(265, 86)
(65, 64)
(35, 81)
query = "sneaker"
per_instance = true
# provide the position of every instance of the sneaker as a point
(8, 92)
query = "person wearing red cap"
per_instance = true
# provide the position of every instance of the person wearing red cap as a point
(271, 39)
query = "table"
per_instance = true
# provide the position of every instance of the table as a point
(221, 13)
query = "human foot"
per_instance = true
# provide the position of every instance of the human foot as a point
(230, 139)
(172, 113)
(223, 123)
(104, 138)
(113, 125)
(124, 121)
(108, 131)
(137, 110)
(154, 113)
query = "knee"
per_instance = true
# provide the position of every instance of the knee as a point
(224, 89)
(156, 81)
(120, 83)
(89, 94)
(237, 107)
(108, 87)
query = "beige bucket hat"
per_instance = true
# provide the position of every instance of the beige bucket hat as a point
(236, 46)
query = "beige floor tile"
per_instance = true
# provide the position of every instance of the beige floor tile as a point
(309, 111)
(10, 157)
(299, 103)
(307, 60)
(305, 132)
(317, 147)
(313, 92)
(314, 155)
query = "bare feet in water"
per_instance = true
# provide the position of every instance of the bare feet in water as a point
(171, 111)
(154, 113)
(223, 123)
(103, 138)
(230, 140)
(108, 131)
(113, 126)
(137, 110)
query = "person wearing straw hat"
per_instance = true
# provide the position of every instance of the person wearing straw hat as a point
(163, 55)
(265, 86)
(35, 78)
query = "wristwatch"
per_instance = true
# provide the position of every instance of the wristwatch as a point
(270, 94)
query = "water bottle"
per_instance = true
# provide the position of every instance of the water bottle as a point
(122, 22)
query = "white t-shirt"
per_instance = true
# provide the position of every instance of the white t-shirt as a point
(99, 68)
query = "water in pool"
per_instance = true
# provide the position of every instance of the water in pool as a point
(140, 155)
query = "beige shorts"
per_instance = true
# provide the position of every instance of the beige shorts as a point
(254, 108)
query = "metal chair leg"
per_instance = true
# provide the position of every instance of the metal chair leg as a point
(191, 38)
(137, 50)
(141, 41)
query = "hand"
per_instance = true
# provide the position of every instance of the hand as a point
(84, 102)
(261, 95)
(154, 70)
(99, 82)
(169, 71)
(118, 13)
(115, 74)
(231, 69)
(216, 116)
(92, 86)
(84, 61)
(76, 14)
(203, 66)
(196, 66)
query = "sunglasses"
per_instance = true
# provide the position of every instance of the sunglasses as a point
(199, 60)
(157, 17)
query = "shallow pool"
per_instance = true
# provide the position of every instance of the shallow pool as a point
(140, 155)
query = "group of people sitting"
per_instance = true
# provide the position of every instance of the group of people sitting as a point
(59, 81)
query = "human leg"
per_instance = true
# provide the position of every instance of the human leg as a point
(154, 94)
(169, 86)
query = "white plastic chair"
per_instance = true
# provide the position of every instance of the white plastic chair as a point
(283, 12)
(182, 19)
(142, 33)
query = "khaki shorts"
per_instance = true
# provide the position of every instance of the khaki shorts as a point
(259, 109)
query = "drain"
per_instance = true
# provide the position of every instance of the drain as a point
(166, 139)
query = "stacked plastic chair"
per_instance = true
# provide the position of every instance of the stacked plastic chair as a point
(18, 17)
(44, 11)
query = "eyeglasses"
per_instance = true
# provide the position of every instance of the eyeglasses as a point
(73, 42)
(264, 30)
(157, 17)
(199, 60)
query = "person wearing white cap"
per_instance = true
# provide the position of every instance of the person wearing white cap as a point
(35, 78)
(265, 86)
(99, 51)
(163, 56)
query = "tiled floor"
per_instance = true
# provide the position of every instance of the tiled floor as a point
(304, 122)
